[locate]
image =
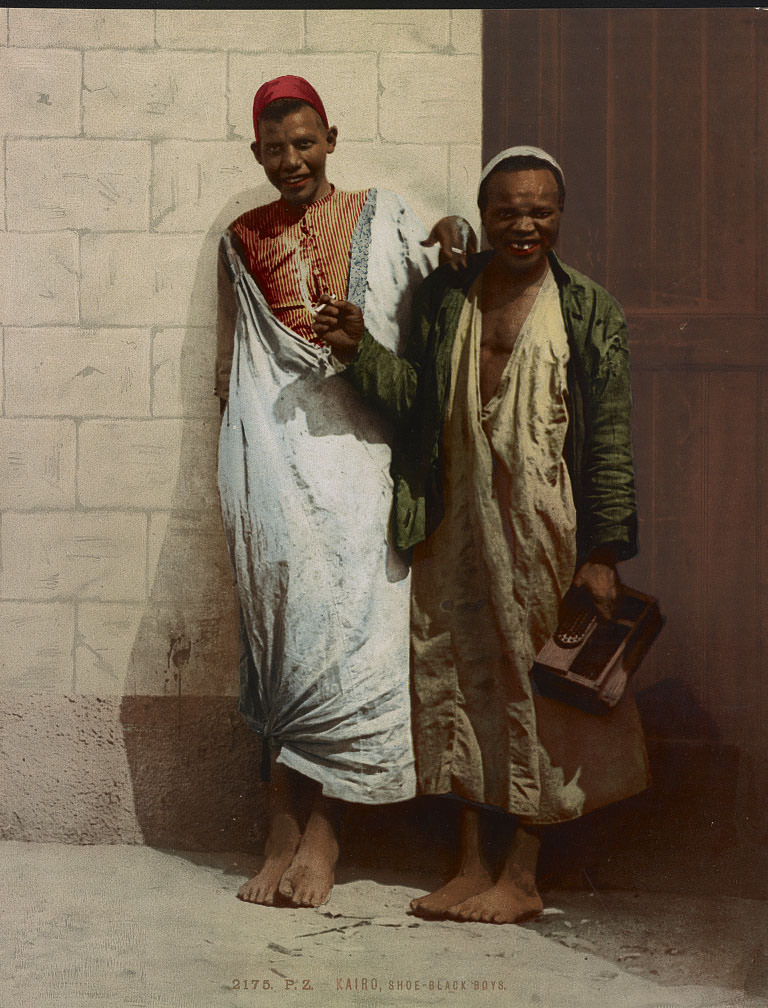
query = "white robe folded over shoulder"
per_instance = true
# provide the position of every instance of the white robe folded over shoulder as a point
(306, 497)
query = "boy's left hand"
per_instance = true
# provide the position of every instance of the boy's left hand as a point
(602, 581)
(341, 325)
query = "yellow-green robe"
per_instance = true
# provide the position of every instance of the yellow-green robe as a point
(486, 586)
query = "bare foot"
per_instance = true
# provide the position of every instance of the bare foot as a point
(460, 888)
(308, 880)
(506, 902)
(263, 887)
(280, 848)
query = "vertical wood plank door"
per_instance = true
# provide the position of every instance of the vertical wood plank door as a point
(660, 121)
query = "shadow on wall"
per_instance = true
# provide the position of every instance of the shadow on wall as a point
(194, 765)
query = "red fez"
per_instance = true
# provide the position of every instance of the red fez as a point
(287, 86)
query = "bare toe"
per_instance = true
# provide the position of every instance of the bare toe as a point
(286, 887)
(262, 889)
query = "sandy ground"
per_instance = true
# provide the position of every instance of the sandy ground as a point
(669, 938)
(138, 927)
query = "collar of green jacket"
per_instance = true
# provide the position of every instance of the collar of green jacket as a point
(564, 275)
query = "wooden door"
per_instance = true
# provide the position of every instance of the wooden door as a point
(660, 121)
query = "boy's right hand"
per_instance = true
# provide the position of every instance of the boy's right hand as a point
(341, 325)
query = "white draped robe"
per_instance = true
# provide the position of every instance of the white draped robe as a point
(306, 496)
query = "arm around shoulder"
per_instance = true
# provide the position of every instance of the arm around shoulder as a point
(390, 383)
(384, 380)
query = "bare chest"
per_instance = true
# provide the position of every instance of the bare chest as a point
(501, 328)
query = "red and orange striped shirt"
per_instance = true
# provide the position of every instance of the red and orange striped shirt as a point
(297, 253)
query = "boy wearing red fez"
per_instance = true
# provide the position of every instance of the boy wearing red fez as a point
(306, 492)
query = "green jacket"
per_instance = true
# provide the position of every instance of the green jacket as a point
(413, 392)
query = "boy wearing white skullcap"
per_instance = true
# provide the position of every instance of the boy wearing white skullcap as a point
(513, 481)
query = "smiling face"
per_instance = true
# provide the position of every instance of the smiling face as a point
(292, 152)
(522, 217)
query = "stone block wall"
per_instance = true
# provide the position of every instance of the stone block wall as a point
(125, 153)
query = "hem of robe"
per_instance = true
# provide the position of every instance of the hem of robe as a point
(604, 755)
(365, 789)
(349, 791)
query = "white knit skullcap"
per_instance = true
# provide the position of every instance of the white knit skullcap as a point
(536, 152)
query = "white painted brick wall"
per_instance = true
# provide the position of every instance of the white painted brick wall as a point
(182, 369)
(419, 172)
(466, 32)
(72, 555)
(36, 642)
(37, 464)
(77, 372)
(386, 30)
(463, 174)
(154, 94)
(87, 185)
(162, 463)
(106, 632)
(148, 453)
(40, 91)
(81, 29)
(2, 188)
(189, 179)
(39, 278)
(246, 31)
(145, 279)
(188, 558)
(430, 97)
(129, 648)
(125, 154)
